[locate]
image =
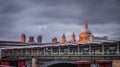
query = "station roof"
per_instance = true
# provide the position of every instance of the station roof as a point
(19, 45)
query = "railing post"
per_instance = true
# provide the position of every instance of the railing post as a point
(51, 50)
(26, 51)
(103, 51)
(78, 49)
(31, 51)
(44, 51)
(118, 49)
(90, 49)
(37, 52)
(21, 52)
(59, 50)
(68, 49)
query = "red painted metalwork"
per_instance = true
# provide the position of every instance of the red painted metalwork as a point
(104, 63)
(21, 63)
(5, 62)
(83, 63)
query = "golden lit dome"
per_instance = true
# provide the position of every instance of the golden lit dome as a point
(85, 31)
(85, 34)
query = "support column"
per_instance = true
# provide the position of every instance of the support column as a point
(104, 63)
(59, 50)
(90, 49)
(16, 53)
(32, 51)
(118, 49)
(21, 63)
(44, 51)
(26, 52)
(5, 62)
(83, 63)
(116, 63)
(51, 50)
(68, 49)
(37, 52)
(78, 50)
(21, 52)
(34, 62)
(103, 51)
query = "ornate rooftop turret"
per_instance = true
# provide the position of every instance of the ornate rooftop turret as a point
(63, 40)
(72, 38)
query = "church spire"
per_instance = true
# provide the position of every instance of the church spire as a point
(86, 24)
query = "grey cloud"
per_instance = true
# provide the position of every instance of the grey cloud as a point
(106, 11)
(52, 18)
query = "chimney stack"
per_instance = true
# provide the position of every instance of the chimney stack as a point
(23, 38)
(54, 40)
(39, 39)
(31, 39)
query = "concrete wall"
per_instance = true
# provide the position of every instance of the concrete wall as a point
(34, 62)
(116, 63)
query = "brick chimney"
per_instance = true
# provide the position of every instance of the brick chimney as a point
(54, 40)
(23, 38)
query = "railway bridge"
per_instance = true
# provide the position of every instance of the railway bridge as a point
(100, 53)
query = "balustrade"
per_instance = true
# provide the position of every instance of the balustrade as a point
(64, 50)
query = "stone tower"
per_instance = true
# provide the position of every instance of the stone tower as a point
(72, 38)
(23, 38)
(63, 40)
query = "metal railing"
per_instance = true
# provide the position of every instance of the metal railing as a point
(62, 53)
(5, 66)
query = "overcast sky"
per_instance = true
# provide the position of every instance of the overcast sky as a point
(51, 18)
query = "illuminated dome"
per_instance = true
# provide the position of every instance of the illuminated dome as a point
(85, 34)
(85, 31)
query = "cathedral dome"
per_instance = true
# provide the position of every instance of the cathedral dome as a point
(85, 34)
(85, 31)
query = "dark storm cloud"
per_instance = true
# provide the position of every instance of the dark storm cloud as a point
(102, 11)
(105, 11)
(50, 18)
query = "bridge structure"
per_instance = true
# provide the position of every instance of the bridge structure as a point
(48, 54)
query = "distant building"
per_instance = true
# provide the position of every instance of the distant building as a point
(101, 38)
(84, 36)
